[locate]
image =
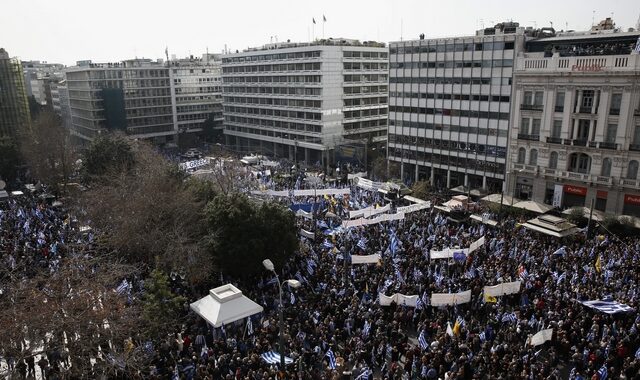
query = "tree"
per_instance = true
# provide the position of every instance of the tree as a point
(47, 150)
(241, 234)
(384, 170)
(420, 189)
(161, 308)
(108, 155)
(10, 159)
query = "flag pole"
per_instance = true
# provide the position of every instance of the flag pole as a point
(323, 21)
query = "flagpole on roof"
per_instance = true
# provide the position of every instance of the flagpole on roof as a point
(324, 19)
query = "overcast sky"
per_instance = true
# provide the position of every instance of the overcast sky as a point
(66, 31)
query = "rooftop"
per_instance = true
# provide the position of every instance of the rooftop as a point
(321, 42)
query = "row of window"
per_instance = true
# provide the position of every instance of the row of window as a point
(451, 112)
(275, 79)
(298, 91)
(195, 108)
(451, 46)
(309, 66)
(274, 113)
(365, 66)
(277, 134)
(485, 149)
(365, 113)
(431, 95)
(443, 159)
(352, 126)
(365, 54)
(290, 125)
(282, 102)
(357, 102)
(197, 116)
(366, 78)
(270, 57)
(453, 64)
(365, 90)
(450, 128)
(451, 80)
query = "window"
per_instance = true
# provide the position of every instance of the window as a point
(537, 99)
(636, 135)
(528, 97)
(560, 102)
(556, 131)
(583, 130)
(521, 154)
(579, 163)
(632, 170)
(587, 99)
(606, 167)
(616, 100)
(533, 157)
(524, 126)
(610, 136)
(535, 127)
(553, 160)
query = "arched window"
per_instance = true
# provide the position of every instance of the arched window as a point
(533, 157)
(606, 167)
(632, 170)
(553, 160)
(521, 155)
(579, 163)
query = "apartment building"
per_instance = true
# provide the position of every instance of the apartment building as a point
(575, 137)
(14, 106)
(303, 101)
(38, 79)
(449, 106)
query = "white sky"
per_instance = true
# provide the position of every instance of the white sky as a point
(66, 31)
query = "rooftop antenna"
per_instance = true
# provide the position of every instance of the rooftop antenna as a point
(593, 18)
(551, 22)
(401, 25)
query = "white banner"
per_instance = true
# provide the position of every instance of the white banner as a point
(302, 193)
(557, 196)
(502, 289)
(307, 234)
(414, 207)
(378, 219)
(399, 299)
(193, 164)
(443, 299)
(365, 259)
(476, 244)
(446, 253)
(304, 214)
(540, 337)
(367, 184)
(369, 211)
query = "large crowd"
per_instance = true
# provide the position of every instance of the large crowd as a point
(335, 327)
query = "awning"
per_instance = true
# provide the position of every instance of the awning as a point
(225, 304)
(533, 206)
(551, 225)
(485, 221)
(507, 200)
(413, 199)
(597, 215)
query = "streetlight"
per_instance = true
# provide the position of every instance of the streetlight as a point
(514, 190)
(268, 265)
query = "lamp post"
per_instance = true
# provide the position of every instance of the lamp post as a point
(268, 265)
(514, 190)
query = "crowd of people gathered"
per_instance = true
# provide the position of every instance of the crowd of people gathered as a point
(336, 328)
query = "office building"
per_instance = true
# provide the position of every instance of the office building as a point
(449, 104)
(307, 101)
(575, 138)
(38, 78)
(14, 106)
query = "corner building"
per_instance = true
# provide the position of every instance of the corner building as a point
(449, 104)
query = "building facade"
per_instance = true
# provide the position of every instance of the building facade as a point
(304, 101)
(38, 79)
(449, 105)
(575, 138)
(14, 106)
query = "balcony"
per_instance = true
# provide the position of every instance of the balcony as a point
(629, 182)
(522, 136)
(585, 110)
(602, 180)
(592, 144)
(577, 142)
(634, 147)
(636, 112)
(608, 145)
(531, 107)
(554, 140)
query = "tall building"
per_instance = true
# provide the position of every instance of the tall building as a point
(145, 99)
(449, 104)
(60, 101)
(305, 101)
(196, 95)
(576, 121)
(14, 106)
(38, 78)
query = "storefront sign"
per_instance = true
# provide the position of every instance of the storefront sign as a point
(601, 194)
(632, 199)
(575, 190)
(586, 68)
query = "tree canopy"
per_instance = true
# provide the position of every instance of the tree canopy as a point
(107, 154)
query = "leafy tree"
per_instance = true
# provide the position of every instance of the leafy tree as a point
(161, 307)
(107, 155)
(420, 189)
(9, 159)
(242, 234)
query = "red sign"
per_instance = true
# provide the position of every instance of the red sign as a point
(586, 68)
(601, 194)
(575, 190)
(632, 199)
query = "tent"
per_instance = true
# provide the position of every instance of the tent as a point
(533, 206)
(507, 200)
(225, 304)
(551, 225)
(480, 219)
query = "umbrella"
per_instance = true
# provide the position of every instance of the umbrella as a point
(533, 206)
(507, 200)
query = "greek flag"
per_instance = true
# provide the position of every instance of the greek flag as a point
(603, 373)
(459, 256)
(419, 304)
(327, 244)
(608, 307)
(311, 265)
(249, 326)
(637, 49)
(366, 373)
(362, 244)
(561, 278)
(124, 287)
(365, 329)
(638, 353)
(393, 247)
(482, 336)
(509, 317)
(332, 359)
(273, 357)
(560, 251)
(422, 341)
(293, 299)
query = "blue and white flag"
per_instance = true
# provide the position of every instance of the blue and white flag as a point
(459, 256)
(603, 373)
(332, 359)
(124, 287)
(637, 48)
(365, 375)
(638, 353)
(327, 244)
(608, 307)
(394, 246)
(273, 357)
(249, 326)
(366, 329)
(509, 317)
(293, 299)
(560, 251)
(422, 341)
(362, 243)
(561, 278)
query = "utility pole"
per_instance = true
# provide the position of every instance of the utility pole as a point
(593, 201)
